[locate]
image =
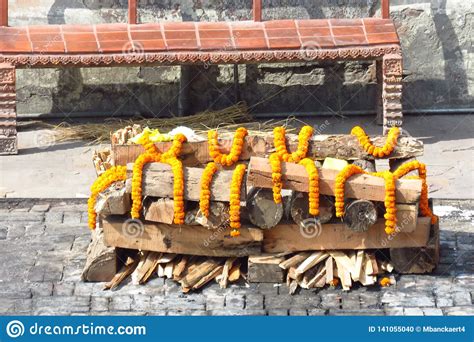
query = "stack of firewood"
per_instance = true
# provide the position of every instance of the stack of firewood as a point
(191, 272)
(102, 161)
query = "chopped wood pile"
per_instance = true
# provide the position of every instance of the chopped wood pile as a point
(102, 161)
(277, 242)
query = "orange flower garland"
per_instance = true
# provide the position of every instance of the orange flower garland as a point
(304, 137)
(235, 151)
(379, 152)
(235, 186)
(389, 201)
(137, 175)
(421, 168)
(178, 188)
(275, 163)
(112, 175)
(341, 178)
(176, 147)
(312, 171)
(205, 193)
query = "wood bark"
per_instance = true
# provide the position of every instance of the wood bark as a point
(358, 186)
(262, 210)
(161, 210)
(101, 262)
(193, 240)
(157, 181)
(343, 146)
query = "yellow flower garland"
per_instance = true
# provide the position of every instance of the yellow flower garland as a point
(176, 147)
(275, 163)
(279, 140)
(389, 201)
(112, 175)
(376, 151)
(235, 186)
(137, 176)
(205, 193)
(313, 175)
(341, 178)
(235, 151)
(421, 168)
(178, 188)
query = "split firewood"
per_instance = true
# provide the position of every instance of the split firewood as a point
(319, 279)
(200, 271)
(234, 273)
(293, 286)
(180, 267)
(207, 278)
(160, 270)
(329, 269)
(166, 258)
(308, 275)
(293, 275)
(366, 278)
(311, 261)
(300, 209)
(262, 209)
(223, 278)
(294, 260)
(360, 257)
(386, 266)
(161, 210)
(140, 270)
(366, 165)
(169, 270)
(375, 266)
(360, 215)
(125, 271)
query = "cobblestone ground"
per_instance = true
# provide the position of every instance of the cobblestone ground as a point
(43, 248)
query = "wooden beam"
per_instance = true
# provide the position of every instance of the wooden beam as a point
(157, 182)
(289, 238)
(194, 240)
(385, 9)
(342, 146)
(3, 12)
(367, 187)
(132, 11)
(257, 10)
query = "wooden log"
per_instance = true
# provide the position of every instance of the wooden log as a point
(194, 240)
(218, 216)
(322, 146)
(180, 267)
(161, 210)
(314, 259)
(315, 281)
(366, 165)
(333, 236)
(329, 269)
(157, 182)
(359, 215)
(126, 270)
(262, 210)
(207, 278)
(265, 269)
(407, 215)
(234, 273)
(295, 260)
(300, 209)
(417, 260)
(358, 186)
(223, 279)
(101, 262)
(113, 201)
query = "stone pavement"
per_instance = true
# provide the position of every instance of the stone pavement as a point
(43, 249)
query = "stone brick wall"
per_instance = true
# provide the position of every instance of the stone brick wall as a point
(436, 39)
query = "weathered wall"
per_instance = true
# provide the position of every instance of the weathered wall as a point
(436, 38)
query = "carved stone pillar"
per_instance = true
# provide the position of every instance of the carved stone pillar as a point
(392, 91)
(8, 138)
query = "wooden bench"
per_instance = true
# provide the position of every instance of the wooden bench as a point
(168, 43)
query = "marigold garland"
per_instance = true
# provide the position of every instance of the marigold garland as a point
(421, 168)
(205, 193)
(144, 140)
(112, 175)
(385, 281)
(275, 163)
(178, 188)
(313, 175)
(137, 176)
(341, 178)
(376, 151)
(235, 186)
(389, 201)
(279, 141)
(235, 151)
(176, 147)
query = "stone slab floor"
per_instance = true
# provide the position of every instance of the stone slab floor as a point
(43, 249)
